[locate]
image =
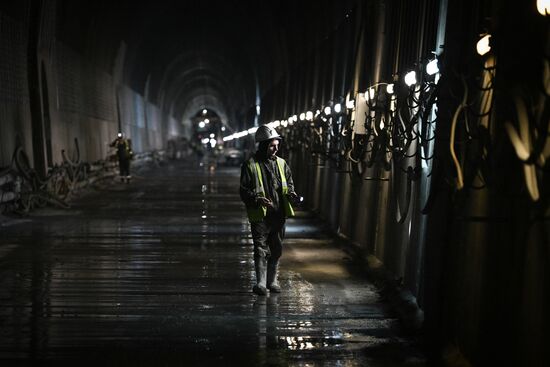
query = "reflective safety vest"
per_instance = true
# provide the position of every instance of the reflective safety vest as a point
(257, 213)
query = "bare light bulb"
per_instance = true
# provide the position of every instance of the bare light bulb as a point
(432, 67)
(410, 78)
(372, 91)
(483, 46)
(543, 6)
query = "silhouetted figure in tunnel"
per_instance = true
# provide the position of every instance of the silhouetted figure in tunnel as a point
(267, 191)
(124, 154)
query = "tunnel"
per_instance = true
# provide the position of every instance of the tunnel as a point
(401, 145)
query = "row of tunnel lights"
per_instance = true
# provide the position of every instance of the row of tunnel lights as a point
(483, 46)
(410, 80)
(206, 121)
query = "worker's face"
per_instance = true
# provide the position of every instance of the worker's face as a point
(272, 148)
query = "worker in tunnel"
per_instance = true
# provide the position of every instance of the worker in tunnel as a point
(124, 154)
(267, 190)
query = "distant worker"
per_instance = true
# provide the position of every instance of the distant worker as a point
(124, 154)
(267, 191)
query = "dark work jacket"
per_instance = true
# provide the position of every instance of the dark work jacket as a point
(123, 148)
(272, 184)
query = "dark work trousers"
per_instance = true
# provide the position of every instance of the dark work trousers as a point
(124, 167)
(268, 236)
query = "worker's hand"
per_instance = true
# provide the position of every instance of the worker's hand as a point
(263, 201)
(294, 198)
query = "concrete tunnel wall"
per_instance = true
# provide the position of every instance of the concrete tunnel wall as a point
(82, 103)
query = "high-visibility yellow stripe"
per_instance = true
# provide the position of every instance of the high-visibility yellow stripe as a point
(257, 214)
(289, 211)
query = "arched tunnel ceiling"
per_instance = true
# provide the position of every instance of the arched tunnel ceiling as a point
(182, 52)
(208, 49)
(205, 79)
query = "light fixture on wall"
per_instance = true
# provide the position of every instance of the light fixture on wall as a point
(432, 67)
(337, 108)
(543, 6)
(483, 45)
(389, 88)
(410, 78)
(372, 93)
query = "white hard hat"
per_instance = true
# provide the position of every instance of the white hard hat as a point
(265, 132)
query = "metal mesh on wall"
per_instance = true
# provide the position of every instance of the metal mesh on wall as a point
(14, 92)
(13, 63)
(82, 88)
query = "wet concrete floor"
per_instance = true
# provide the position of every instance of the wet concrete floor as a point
(159, 273)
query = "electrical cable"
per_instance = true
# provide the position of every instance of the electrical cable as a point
(522, 146)
(459, 179)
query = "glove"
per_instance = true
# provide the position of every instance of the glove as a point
(293, 198)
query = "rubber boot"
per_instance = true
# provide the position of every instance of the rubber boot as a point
(272, 275)
(261, 276)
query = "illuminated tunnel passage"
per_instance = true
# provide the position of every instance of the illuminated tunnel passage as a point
(161, 271)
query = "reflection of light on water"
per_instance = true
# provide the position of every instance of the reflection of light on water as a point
(309, 343)
(305, 300)
(298, 343)
(298, 325)
(330, 339)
